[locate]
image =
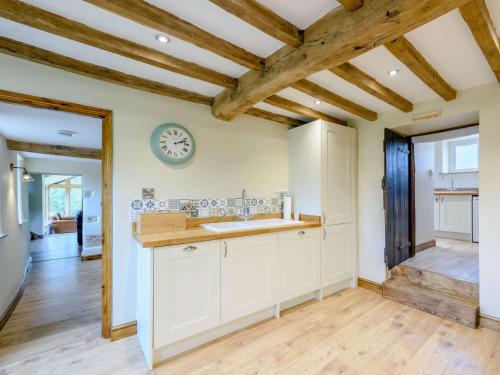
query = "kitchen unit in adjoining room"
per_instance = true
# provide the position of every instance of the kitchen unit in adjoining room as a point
(221, 274)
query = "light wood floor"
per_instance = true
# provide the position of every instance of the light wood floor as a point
(352, 332)
(456, 259)
(55, 246)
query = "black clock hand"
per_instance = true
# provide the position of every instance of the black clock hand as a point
(176, 143)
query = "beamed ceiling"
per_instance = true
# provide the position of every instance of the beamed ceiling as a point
(289, 61)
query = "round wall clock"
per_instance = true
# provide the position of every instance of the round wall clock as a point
(172, 143)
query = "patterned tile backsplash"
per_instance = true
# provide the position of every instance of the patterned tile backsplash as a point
(206, 207)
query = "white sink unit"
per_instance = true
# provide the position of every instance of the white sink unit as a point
(231, 226)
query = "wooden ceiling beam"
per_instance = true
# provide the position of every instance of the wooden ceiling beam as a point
(335, 39)
(29, 15)
(476, 15)
(156, 18)
(320, 93)
(404, 51)
(41, 56)
(357, 77)
(75, 152)
(300, 109)
(263, 19)
(351, 5)
(274, 117)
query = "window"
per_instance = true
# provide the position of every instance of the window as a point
(464, 155)
(65, 196)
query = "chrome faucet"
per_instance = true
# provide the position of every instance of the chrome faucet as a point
(246, 208)
(452, 181)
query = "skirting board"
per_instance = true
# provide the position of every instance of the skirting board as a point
(123, 330)
(425, 245)
(370, 285)
(19, 293)
(490, 322)
(91, 257)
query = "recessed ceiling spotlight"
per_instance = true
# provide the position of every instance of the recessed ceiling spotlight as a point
(393, 72)
(66, 133)
(317, 102)
(162, 38)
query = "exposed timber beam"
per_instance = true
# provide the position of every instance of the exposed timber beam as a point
(351, 5)
(476, 14)
(156, 18)
(41, 56)
(75, 152)
(322, 94)
(29, 15)
(38, 55)
(300, 109)
(357, 77)
(404, 51)
(256, 112)
(333, 40)
(263, 19)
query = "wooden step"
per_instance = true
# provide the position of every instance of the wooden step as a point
(433, 280)
(447, 306)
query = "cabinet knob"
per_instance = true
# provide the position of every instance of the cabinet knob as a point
(189, 249)
(301, 233)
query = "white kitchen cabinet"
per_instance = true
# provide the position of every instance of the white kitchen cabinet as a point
(436, 212)
(299, 263)
(249, 275)
(337, 254)
(322, 165)
(186, 290)
(455, 213)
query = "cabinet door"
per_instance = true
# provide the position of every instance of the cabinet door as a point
(299, 263)
(455, 213)
(336, 254)
(338, 144)
(186, 290)
(436, 212)
(249, 275)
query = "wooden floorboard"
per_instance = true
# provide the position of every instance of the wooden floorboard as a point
(55, 246)
(355, 331)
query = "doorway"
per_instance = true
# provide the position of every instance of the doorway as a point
(106, 160)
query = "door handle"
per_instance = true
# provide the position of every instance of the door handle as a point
(189, 249)
(301, 233)
(405, 245)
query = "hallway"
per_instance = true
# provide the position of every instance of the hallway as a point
(55, 246)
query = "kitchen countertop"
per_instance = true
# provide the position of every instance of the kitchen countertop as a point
(457, 192)
(199, 234)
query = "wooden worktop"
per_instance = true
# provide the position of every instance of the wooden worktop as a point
(457, 192)
(198, 234)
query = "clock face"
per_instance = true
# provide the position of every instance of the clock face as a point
(173, 144)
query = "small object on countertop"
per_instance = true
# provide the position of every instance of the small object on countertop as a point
(287, 208)
(148, 193)
(296, 216)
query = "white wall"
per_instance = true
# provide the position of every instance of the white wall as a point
(484, 99)
(424, 192)
(14, 248)
(90, 170)
(248, 152)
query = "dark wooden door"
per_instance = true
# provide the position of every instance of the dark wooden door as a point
(397, 198)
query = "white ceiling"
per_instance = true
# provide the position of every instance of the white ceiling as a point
(453, 51)
(34, 125)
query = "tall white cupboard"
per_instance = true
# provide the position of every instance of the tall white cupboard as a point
(323, 171)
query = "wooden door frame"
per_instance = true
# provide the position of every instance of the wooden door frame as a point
(107, 186)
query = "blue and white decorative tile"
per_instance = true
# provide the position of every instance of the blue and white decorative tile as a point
(184, 205)
(204, 212)
(204, 203)
(213, 212)
(150, 205)
(261, 201)
(267, 209)
(254, 202)
(194, 213)
(173, 205)
(161, 205)
(222, 211)
(222, 202)
(275, 201)
(239, 211)
(231, 211)
(136, 205)
(214, 203)
(239, 202)
(261, 210)
(267, 202)
(231, 202)
(133, 216)
(254, 210)
(275, 209)
(195, 203)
